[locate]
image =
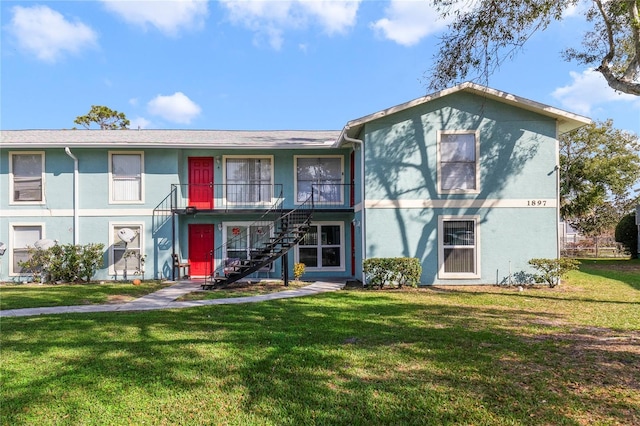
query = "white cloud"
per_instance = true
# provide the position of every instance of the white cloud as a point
(408, 22)
(169, 17)
(270, 19)
(177, 108)
(577, 10)
(47, 34)
(333, 16)
(139, 123)
(588, 90)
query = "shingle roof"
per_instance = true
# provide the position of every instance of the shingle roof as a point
(566, 121)
(272, 139)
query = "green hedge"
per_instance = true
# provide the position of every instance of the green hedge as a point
(392, 271)
(67, 263)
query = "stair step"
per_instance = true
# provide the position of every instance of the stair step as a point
(213, 283)
(290, 228)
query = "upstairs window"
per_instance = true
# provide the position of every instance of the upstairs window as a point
(458, 165)
(248, 180)
(126, 171)
(27, 177)
(322, 176)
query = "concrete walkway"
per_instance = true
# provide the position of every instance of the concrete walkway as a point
(165, 299)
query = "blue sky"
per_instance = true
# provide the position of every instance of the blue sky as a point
(257, 65)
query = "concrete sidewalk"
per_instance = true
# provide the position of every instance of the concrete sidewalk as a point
(165, 299)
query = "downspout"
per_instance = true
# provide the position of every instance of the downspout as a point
(76, 198)
(363, 222)
(558, 218)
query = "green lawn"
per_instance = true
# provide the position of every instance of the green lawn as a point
(449, 355)
(15, 296)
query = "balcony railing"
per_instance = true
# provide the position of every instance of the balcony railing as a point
(225, 197)
(329, 195)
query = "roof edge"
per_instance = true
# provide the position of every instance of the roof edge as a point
(567, 121)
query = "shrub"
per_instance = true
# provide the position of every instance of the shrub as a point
(68, 263)
(33, 264)
(554, 269)
(92, 259)
(298, 270)
(393, 271)
(627, 234)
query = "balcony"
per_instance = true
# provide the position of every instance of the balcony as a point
(328, 196)
(191, 198)
(221, 198)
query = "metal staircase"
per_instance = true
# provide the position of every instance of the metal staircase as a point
(269, 238)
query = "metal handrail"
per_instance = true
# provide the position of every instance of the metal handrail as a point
(225, 196)
(273, 226)
(332, 195)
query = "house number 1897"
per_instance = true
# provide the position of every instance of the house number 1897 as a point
(536, 203)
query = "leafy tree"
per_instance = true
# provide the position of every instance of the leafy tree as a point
(598, 166)
(104, 117)
(481, 38)
(627, 234)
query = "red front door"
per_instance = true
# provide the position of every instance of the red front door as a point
(200, 248)
(201, 182)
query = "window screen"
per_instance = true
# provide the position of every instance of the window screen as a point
(23, 238)
(27, 177)
(458, 240)
(126, 172)
(248, 180)
(458, 161)
(322, 176)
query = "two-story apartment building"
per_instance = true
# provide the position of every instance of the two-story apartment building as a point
(464, 179)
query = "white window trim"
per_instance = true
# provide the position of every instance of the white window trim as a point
(142, 177)
(112, 241)
(476, 135)
(247, 224)
(224, 176)
(11, 187)
(342, 267)
(295, 177)
(458, 275)
(12, 227)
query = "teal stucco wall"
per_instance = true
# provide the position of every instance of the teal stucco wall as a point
(516, 199)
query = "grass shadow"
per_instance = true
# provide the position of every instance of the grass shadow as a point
(341, 358)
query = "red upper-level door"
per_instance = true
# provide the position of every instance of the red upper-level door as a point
(201, 182)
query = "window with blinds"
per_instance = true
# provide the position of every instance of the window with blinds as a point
(27, 170)
(126, 177)
(322, 176)
(23, 237)
(242, 239)
(248, 180)
(458, 248)
(457, 162)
